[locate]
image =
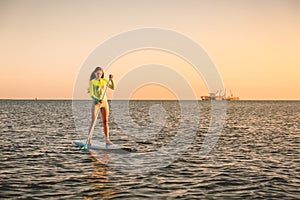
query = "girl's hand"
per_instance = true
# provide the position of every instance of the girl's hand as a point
(111, 76)
(99, 102)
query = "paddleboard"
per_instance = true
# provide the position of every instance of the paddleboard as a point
(100, 146)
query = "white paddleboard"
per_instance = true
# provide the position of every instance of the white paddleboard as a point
(99, 146)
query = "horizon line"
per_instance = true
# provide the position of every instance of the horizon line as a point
(68, 99)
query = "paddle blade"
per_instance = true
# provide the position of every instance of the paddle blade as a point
(84, 148)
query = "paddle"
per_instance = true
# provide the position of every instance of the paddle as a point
(85, 147)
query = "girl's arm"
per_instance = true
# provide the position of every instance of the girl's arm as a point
(111, 84)
(92, 92)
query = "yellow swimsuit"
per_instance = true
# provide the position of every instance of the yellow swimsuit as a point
(97, 88)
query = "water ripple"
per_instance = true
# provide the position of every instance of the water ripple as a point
(256, 157)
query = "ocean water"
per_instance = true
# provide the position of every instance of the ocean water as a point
(256, 155)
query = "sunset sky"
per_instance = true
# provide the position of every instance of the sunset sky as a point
(255, 44)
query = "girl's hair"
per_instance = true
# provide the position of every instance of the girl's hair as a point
(94, 76)
(95, 70)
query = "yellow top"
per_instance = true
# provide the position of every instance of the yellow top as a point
(97, 89)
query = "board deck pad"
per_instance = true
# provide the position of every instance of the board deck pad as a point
(99, 146)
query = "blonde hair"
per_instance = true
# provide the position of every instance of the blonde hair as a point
(94, 76)
(95, 70)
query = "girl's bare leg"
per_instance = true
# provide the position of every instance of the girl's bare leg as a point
(95, 108)
(105, 113)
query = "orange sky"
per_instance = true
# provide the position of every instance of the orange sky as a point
(255, 44)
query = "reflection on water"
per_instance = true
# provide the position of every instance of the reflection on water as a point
(256, 156)
(99, 178)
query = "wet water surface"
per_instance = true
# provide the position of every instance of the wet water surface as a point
(257, 155)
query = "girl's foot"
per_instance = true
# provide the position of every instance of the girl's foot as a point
(108, 142)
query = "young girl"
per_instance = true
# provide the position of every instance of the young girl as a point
(97, 92)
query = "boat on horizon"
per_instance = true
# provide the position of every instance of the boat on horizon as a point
(218, 96)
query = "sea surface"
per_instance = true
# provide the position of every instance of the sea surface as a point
(255, 154)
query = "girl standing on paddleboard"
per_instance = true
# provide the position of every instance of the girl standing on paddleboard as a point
(97, 91)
